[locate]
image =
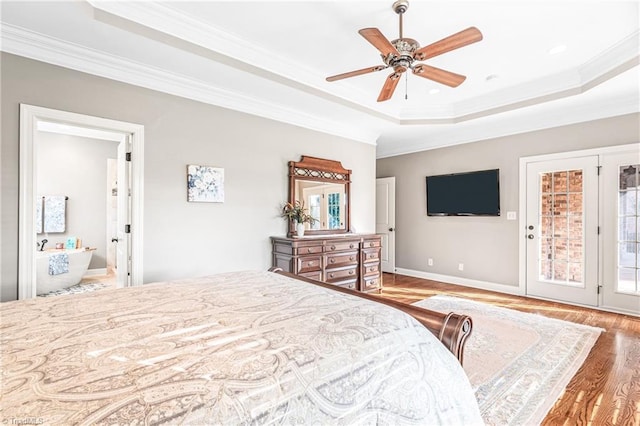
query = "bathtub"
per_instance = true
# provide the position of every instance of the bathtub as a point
(78, 264)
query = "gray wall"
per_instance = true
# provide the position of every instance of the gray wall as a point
(181, 239)
(77, 167)
(488, 246)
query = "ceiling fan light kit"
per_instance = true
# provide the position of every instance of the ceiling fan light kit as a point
(402, 53)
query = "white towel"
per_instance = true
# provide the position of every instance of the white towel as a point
(38, 206)
(54, 213)
(58, 263)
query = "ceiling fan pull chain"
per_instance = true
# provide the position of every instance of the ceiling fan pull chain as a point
(406, 86)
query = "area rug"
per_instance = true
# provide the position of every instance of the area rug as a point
(75, 289)
(518, 363)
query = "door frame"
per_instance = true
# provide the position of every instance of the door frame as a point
(522, 206)
(30, 115)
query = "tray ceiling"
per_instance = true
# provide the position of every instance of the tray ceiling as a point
(271, 59)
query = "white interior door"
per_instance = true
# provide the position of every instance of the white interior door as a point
(562, 229)
(123, 258)
(621, 231)
(386, 221)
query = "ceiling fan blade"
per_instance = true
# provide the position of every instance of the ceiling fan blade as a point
(379, 41)
(455, 41)
(389, 86)
(438, 75)
(357, 72)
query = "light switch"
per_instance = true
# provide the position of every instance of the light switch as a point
(511, 216)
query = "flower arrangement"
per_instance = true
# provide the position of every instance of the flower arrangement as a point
(297, 213)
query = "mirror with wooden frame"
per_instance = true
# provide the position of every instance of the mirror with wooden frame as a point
(323, 186)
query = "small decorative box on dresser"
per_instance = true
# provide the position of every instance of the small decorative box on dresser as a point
(351, 261)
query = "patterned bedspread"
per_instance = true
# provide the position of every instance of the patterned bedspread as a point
(234, 348)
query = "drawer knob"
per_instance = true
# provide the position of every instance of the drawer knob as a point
(333, 261)
(351, 258)
(372, 244)
(351, 246)
(310, 263)
(351, 272)
(309, 250)
(331, 275)
(333, 247)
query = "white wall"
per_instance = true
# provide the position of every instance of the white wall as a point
(181, 239)
(487, 246)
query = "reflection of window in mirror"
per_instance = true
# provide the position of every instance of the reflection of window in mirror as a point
(326, 203)
(335, 212)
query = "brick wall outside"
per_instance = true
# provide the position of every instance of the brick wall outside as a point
(561, 226)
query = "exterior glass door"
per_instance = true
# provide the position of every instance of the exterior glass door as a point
(621, 228)
(562, 244)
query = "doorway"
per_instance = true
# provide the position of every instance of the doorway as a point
(580, 243)
(130, 170)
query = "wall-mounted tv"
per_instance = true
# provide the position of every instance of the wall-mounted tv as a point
(464, 194)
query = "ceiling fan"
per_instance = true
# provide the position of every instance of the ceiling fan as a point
(402, 53)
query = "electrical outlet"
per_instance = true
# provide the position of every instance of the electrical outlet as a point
(430, 262)
(460, 266)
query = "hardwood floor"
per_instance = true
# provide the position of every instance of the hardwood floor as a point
(606, 389)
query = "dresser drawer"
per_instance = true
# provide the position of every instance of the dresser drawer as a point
(371, 283)
(308, 264)
(371, 244)
(315, 275)
(332, 246)
(304, 250)
(372, 269)
(340, 274)
(371, 255)
(349, 284)
(339, 260)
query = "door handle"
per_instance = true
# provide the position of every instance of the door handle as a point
(391, 229)
(114, 240)
(530, 236)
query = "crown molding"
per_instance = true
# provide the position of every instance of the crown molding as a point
(29, 44)
(523, 123)
(168, 20)
(160, 17)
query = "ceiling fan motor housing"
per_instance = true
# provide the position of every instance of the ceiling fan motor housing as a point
(405, 46)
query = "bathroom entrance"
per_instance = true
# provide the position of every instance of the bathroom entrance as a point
(85, 167)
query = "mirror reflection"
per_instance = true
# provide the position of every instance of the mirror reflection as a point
(325, 203)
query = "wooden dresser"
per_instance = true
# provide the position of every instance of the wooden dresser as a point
(349, 260)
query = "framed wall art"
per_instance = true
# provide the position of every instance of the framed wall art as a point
(205, 184)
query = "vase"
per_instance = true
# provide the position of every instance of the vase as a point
(300, 229)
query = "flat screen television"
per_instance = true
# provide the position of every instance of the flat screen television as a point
(464, 194)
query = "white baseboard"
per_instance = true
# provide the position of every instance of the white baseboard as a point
(500, 288)
(467, 282)
(97, 271)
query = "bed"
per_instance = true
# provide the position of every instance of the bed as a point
(251, 347)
